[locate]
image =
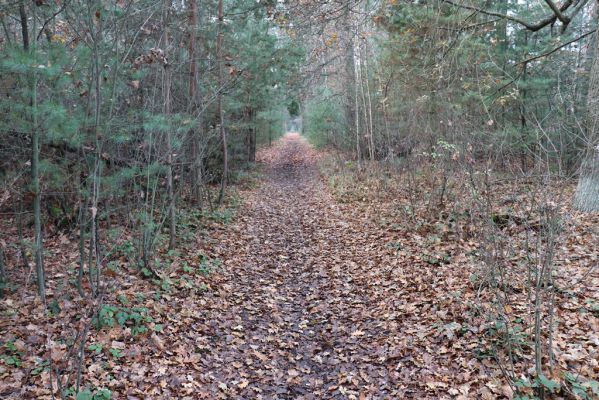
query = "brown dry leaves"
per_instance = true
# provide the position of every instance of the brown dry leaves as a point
(314, 299)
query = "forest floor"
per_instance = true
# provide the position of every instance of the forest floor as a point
(305, 294)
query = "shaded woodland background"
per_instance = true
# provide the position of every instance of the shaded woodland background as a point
(127, 125)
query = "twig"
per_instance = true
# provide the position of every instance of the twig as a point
(533, 27)
(557, 48)
(64, 6)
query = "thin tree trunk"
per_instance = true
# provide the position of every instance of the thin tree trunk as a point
(360, 88)
(523, 121)
(384, 110)
(369, 97)
(81, 218)
(195, 97)
(172, 213)
(251, 136)
(352, 117)
(24, 27)
(6, 31)
(2, 273)
(82, 229)
(94, 245)
(221, 115)
(22, 245)
(360, 82)
(35, 154)
(356, 105)
(193, 65)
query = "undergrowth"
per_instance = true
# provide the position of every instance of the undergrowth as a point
(505, 231)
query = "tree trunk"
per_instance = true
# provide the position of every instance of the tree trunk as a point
(356, 114)
(2, 273)
(172, 213)
(360, 81)
(195, 101)
(193, 65)
(269, 135)
(369, 97)
(95, 259)
(35, 154)
(352, 118)
(251, 136)
(24, 28)
(81, 220)
(587, 193)
(221, 115)
(385, 112)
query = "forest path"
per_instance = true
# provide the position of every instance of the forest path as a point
(296, 317)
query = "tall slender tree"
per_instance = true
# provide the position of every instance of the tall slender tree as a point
(221, 112)
(166, 71)
(35, 149)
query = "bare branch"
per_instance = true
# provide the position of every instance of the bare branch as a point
(564, 18)
(491, 13)
(45, 24)
(557, 48)
(558, 13)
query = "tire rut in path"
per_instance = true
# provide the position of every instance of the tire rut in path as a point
(302, 327)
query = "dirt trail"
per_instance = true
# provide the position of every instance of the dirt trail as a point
(317, 299)
(300, 323)
(314, 299)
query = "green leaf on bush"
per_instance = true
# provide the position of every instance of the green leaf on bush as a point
(548, 383)
(85, 395)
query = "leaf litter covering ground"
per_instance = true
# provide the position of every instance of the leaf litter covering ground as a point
(311, 302)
